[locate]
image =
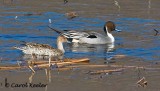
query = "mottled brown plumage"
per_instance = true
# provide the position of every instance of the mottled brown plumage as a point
(44, 49)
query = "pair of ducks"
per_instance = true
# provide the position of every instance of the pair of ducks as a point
(89, 37)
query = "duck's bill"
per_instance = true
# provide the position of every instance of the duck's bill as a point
(118, 30)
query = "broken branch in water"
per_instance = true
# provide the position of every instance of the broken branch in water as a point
(105, 71)
(156, 32)
(66, 61)
(43, 64)
(68, 64)
(71, 15)
(142, 82)
(10, 67)
(32, 13)
(65, 1)
(119, 56)
(84, 66)
(62, 64)
(31, 68)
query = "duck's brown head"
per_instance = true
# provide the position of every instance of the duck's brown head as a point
(109, 26)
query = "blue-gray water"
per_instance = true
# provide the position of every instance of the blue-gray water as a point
(137, 20)
(136, 39)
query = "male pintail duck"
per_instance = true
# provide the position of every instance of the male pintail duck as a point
(90, 37)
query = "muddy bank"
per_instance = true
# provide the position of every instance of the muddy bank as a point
(88, 8)
(79, 77)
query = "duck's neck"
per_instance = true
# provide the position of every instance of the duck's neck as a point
(109, 35)
(60, 46)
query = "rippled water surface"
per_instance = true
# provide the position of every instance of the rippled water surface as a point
(136, 39)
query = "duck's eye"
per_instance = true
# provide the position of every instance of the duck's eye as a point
(92, 36)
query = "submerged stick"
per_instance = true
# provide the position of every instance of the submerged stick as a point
(82, 60)
(31, 68)
(61, 64)
(31, 77)
(65, 1)
(71, 15)
(59, 32)
(142, 82)
(45, 64)
(156, 32)
(11, 67)
(113, 66)
(119, 56)
(48, 74)
(105, 71)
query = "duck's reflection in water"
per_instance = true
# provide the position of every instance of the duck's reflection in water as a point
(31, 77)
(75, 47)
(35, 58)
(101, 50)
(48, 76)
(47, 72)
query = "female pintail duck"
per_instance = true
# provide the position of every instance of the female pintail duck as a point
(90, 37)
(44, 49)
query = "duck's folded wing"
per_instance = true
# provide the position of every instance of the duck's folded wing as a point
(75, 34)
(93, 35)
(37, 45)
(25, 46)
(71, 33)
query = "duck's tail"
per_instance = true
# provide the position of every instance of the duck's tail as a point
(19, 48)
(23, 43)
(59, 32)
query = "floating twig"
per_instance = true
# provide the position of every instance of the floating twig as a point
(15, 17)
(142, 82)
(114, 66)
(62, 64)
(59, 32)
(30, 14)
(11, 67)
(156, 32)
(1, 59)
(48, 74)
(65, 1)
(66, 61)
(31, 77)
(44, 64)
(105, 71)
(71, 15)
(50, 21)
(31, 68)
(119, 56)
(117, 4)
